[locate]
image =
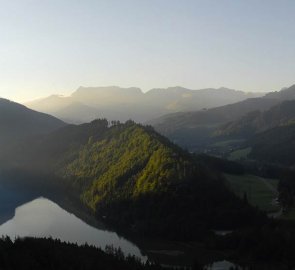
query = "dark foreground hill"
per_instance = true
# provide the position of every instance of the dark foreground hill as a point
(135, 178)
(18, 122)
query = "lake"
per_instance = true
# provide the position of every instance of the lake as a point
(24, 213)
(44, 218)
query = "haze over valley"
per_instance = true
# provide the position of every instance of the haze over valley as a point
(115, 103)
(194, 170)
(120, 172)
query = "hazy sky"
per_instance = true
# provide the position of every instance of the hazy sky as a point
(54, 46)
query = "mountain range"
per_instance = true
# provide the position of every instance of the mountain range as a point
(194, 129)
(115, 103)
(258, 121)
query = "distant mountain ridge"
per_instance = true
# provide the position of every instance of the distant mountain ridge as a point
(259, 121)
(193, 129)
(116, 103)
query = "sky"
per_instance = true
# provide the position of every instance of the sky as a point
(55, 46)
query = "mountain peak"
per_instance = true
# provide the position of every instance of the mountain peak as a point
(283, 94)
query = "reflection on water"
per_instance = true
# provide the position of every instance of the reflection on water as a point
(222, 265)
(23, 213)
(10, 199)
(43, 218)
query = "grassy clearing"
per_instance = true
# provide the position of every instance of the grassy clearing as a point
(289, 215)
(240, 154)
(261, 192)
(227, 143)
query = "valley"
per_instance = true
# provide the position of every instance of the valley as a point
(127, 181)
(147, 135)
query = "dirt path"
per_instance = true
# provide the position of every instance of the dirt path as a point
(275, 192)
(270, 186)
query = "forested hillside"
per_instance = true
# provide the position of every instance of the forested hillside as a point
(197, 130)
(193, 130)
(259, 121)
(275, 146)
(130, 175)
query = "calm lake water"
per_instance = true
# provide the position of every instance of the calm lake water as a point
(23, 213)
(43, 218)
(222, 265)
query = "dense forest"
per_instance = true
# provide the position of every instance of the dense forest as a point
(34, 253)
(270, 246)
(133, 176)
